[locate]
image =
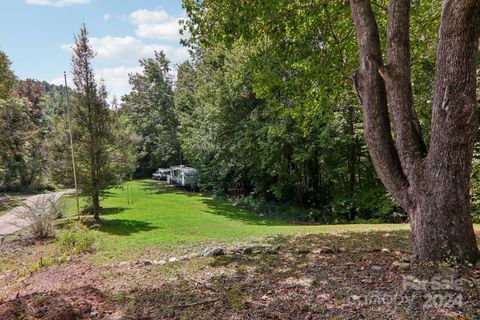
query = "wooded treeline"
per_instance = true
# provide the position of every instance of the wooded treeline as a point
(272, 95)
(267, 108)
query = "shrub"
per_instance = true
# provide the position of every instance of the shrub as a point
(77, 240)
(40, 216)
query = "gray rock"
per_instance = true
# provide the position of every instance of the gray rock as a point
(377, 268)
(217, 252)
(147, 262)
(173, 259)
(258, 250)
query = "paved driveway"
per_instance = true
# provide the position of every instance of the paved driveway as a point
(11, 222)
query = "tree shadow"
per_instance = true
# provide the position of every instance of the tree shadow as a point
(114, 210)
(217, 207)
(226, 209)
(123, 227)
(156, 187)
(109, 194)
(162, 187)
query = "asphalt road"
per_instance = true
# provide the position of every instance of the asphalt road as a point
(12, 221)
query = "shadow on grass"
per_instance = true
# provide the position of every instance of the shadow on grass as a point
(217, 207)
(162, 187)
(226, 209)
(122, 227)
(109, 194)
(114, 210)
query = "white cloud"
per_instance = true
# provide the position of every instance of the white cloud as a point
(106, 17)
(156, 24)
(116, 79)
(144, 16)
(129, 49)
(56, 3)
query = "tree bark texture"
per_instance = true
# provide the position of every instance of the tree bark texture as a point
(432, 185)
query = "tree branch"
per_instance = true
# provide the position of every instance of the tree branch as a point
(397, 77)
(371, 88)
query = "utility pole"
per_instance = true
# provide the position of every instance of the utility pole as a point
(71, 145)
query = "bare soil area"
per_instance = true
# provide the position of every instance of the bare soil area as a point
(343, 276)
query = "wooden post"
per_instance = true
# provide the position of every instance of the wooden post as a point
(71, 145)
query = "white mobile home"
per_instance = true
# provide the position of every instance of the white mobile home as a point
(183, 176)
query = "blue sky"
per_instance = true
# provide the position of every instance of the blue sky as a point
(37, 34)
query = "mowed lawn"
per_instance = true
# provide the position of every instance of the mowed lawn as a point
(163, 217)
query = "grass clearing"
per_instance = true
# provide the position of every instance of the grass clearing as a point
(165, 218)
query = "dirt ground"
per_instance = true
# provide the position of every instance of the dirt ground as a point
(343, 276)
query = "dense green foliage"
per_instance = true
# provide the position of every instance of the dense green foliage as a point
(20, 161)
(268, 108)
(150, 111)
(295, 59)
(255, 146)
(7, 78)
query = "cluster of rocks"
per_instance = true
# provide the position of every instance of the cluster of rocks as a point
(219, 251)
(247, 250)
(170, 260)
(256, 250)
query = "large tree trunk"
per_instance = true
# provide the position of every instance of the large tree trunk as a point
(433, 185)
(441, 223)
(96, 205)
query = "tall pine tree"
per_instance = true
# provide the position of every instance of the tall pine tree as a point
(92, 125)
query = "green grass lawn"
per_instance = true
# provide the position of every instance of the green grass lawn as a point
(164, 218)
